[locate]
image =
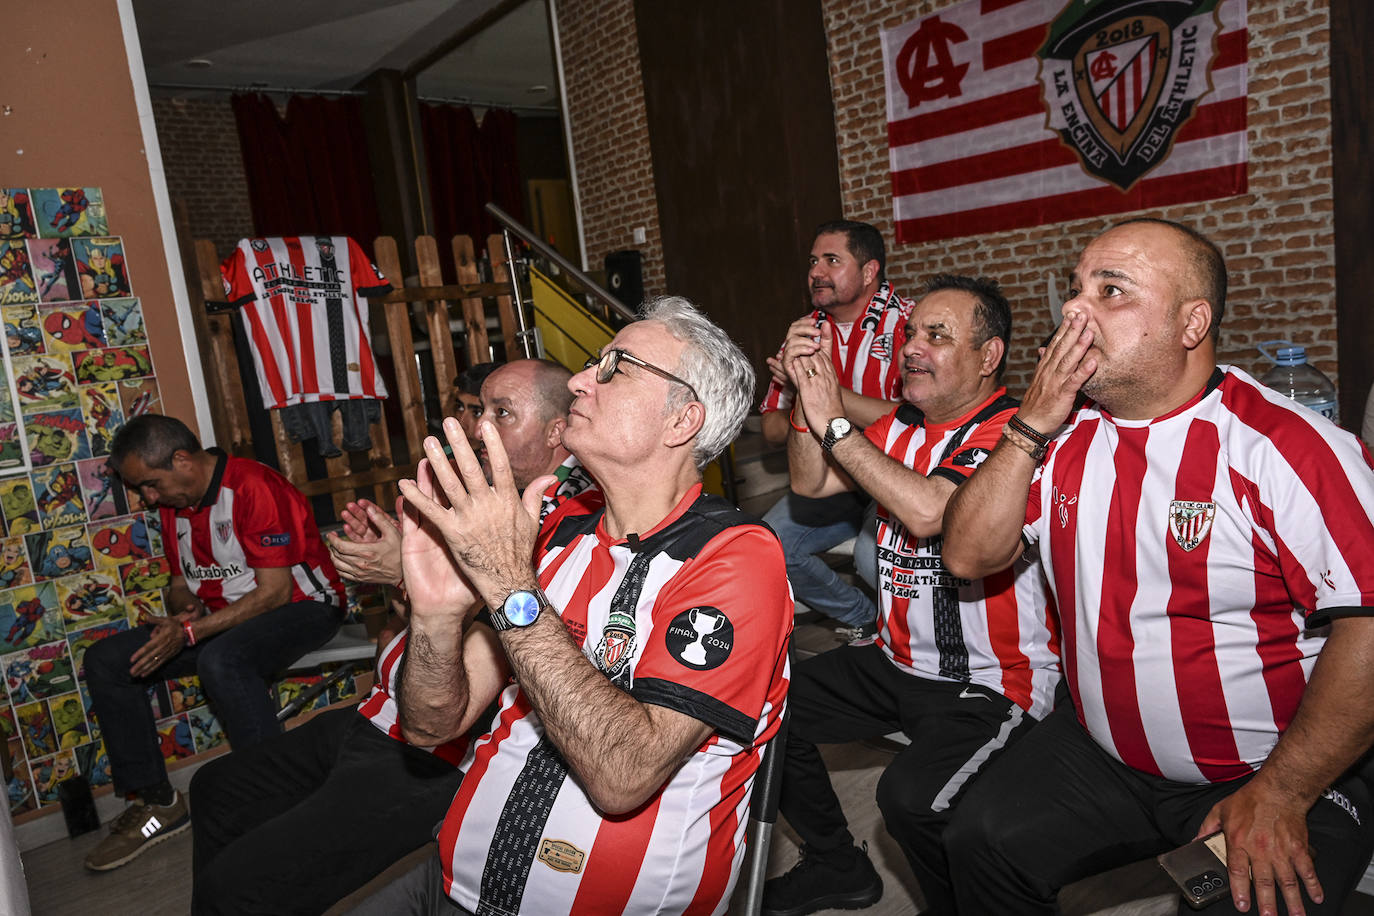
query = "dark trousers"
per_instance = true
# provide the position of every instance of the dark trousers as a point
(856, 692)
(235, 667)
(419, 892)
(1058, 808)
(294, 824)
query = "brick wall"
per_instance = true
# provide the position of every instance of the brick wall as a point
(1277, 239)
(610, 132)
(200, 150)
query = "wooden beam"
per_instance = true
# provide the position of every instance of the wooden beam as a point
(510, 329)
(440, 335)
(474, 314)
(409, 397)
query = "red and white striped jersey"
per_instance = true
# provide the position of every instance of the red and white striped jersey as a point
(304, 310)
(250, 517)
(867, 356)
(380, 706)
(996, 632)
(1191, 558)
(694, 616)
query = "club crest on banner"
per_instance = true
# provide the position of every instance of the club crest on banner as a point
(1190, 522)
(1005, 114)
(1120, 80)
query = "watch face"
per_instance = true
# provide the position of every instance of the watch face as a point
(839, 427)
(521, 608)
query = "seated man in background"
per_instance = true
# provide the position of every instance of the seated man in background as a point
(963, 667)
(647, 642)
(865, 317)
(252, 590)
(305, 819)
(469, 391)
(1207, 543)
(528, 401)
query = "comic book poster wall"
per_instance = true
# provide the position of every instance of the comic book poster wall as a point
(81, 558)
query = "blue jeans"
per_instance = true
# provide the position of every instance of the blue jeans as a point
(808, 527)
(235, 667)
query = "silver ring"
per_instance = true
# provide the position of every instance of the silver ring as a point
(810, 373)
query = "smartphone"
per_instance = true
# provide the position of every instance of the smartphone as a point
(1199, 870)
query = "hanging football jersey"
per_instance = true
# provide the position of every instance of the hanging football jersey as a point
(305, 312)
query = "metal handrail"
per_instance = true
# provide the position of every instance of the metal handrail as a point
(587, 283)
(511, 227)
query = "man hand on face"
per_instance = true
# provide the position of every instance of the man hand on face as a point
(1197, 530)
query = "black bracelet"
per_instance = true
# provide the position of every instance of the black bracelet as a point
(1037, 437)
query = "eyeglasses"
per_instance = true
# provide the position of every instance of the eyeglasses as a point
(608, 363)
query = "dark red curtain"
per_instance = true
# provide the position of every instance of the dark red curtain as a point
(308, 173)
(469, 166)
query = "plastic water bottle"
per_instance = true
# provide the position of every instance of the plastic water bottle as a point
(1292, 376)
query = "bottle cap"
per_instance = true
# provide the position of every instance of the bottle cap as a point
(1284, 353)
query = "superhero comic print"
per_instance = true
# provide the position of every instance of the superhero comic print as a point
(81, 558)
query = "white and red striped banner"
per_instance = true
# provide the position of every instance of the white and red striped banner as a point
(1011, 113)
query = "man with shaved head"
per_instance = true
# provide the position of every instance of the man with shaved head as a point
(317, 813)
(1206, 541)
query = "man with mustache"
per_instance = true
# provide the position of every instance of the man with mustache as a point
(865, 317)
(963, 667)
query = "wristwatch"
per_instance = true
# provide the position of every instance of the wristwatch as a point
(520, 609)
(836, 430)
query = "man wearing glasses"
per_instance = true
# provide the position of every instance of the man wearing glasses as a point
(646, 644)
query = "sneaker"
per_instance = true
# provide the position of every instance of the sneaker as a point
(824, 884)
(140, 826)
(861, 635)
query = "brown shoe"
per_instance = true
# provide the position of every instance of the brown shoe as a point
(140, 826)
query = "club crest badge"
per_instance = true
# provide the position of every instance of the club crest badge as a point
(224, 531)
(1120, 79)
(881, 348)
(617, 646)
(1190, 522)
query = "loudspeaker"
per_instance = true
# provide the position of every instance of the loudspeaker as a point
(625, 277)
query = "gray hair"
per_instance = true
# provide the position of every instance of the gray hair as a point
(712, 364)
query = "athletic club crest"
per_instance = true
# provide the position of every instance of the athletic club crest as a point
(1190, 522)
(1120, 77)
(224, 531)
(881, 348)
(616, 648)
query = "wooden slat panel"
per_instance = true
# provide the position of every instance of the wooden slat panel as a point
(510, 328)
(228, 409)
(289, 455)
(437, 318)
(361, 479)
(474, 315)
(339, 466)
(447, 291)
(407, 394)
